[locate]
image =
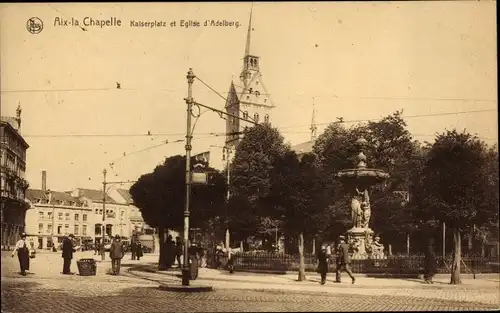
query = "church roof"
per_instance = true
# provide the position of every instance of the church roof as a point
(126, 195)
(303, 148)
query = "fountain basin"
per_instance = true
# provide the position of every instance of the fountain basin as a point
(362, 176)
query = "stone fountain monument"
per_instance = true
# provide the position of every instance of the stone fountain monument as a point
(357, 181)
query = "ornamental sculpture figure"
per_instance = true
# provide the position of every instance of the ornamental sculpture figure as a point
(377, 248)
(367, 212)
(356, 212)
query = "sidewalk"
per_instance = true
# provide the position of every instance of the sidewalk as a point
(490, 280)
(482, 290)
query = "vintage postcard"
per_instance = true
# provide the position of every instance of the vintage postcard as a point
(262, 156)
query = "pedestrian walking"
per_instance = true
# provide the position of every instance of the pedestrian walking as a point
(96, 248)
(430, 267)
(133, 249)
(138, 251)
(24, 250)
(323, 263)
(343, 260)
(219, 254)
(169, 251)
(68, 247)
(178, 250)
(230, 260)
(116, 253)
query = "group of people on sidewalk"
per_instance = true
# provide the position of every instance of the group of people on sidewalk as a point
(116, 254)
(25, 251)
(173, 251)
(343, 262)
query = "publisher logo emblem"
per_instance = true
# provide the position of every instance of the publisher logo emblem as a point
(34, 25)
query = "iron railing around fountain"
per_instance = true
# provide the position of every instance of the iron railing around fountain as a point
(394, 264)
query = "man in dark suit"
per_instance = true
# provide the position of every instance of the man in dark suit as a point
(68, 248)
(116, 253)
(323, 263)
(343, 260)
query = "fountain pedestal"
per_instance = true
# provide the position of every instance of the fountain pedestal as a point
(360, 240)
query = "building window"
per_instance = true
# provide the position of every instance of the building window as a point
(77, 229)
(49, 215)
(257, 93)
(256, 117)
(40, 215)
(60, 216)
(245, 114)
(77, 217)
(66, 229)
(84, 230)
(266, 118)
(122, 213)
(96, 211)
(84, 217)
(67, 216)
(49, 228)
(59, 229)
(40, 228)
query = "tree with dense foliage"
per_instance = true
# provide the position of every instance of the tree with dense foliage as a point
(160, 196)
(391, 148)
(253, 162)
(295, 195)
(454, 188)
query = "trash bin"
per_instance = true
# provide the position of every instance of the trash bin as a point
(86, 267)
(193, 267)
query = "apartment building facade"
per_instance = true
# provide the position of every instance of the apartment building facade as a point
(13, 184)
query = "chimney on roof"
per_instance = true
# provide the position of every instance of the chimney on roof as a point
(44, 180)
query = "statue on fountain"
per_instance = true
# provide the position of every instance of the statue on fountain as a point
(367, 212)
(356, 209)
(377, 249)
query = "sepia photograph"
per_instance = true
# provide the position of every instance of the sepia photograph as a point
(257, 156)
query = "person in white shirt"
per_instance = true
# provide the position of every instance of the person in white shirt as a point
(23, 249)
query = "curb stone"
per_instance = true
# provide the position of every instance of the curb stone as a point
(181, 288)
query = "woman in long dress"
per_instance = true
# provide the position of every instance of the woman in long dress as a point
(23, 249)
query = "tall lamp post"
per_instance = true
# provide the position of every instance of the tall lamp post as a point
(189, 180)
(104, 172)
(185, 264)
(104, 194)
(227, 155)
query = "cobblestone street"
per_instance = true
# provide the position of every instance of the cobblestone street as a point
(46, 290)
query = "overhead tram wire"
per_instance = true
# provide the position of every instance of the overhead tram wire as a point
(222, 133)
(403, 116)
(166, 143)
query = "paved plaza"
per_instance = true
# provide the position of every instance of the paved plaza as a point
(136, 290)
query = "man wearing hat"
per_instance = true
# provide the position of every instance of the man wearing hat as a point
(23, 254)
(323, 263)
(116, 253)
(343, 260)
(68, 247)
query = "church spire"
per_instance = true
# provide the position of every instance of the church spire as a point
(249, 33)
(313, 128)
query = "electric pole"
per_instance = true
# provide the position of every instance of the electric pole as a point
(227, 155)
(103, 256)
(189, 101)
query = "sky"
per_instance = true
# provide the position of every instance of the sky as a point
(355, 60)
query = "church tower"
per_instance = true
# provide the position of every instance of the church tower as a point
(249, 99)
